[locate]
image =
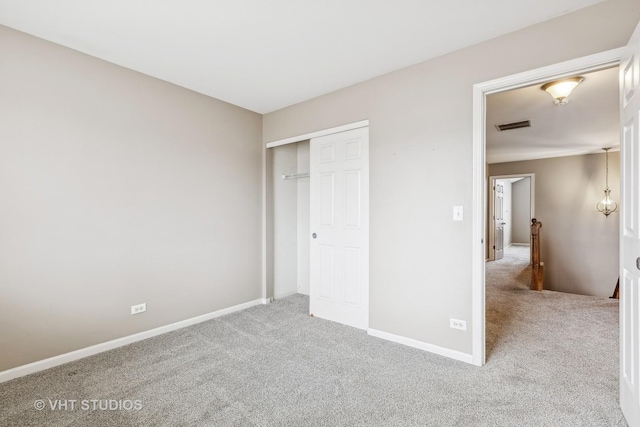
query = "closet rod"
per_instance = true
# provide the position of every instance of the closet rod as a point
(295, 175)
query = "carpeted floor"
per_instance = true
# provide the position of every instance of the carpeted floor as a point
(552, 361)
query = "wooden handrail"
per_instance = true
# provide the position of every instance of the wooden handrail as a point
(537, 267)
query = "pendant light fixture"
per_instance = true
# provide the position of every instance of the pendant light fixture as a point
(561, 89)
(607, 205)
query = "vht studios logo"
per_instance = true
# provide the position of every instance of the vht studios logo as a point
(88, 405)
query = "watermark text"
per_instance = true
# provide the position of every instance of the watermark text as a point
(87, 405)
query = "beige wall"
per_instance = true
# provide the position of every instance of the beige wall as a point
(291, 217)
(579, 244)
(120, 189)
(421, 163)
(117, 189)
(521, 216)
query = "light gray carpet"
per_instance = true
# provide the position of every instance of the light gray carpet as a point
(552, 361)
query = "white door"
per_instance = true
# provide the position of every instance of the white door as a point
(339, 285)
(630, 233)
(498, 219)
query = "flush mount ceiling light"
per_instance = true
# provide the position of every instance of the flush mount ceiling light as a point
(560, 89)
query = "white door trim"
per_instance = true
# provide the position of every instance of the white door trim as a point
(492, 183)
(580, 65)
(316, 134)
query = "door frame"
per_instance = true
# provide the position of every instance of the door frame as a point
(267, 233)
(598, 61)
(491, 195)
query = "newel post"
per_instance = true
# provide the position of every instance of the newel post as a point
(537, 267)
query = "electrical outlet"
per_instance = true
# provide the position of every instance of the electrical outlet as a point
(458, 324)
(139, 308)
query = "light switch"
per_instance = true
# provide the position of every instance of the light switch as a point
(457, 213)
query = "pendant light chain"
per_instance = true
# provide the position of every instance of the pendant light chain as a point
(606, 176)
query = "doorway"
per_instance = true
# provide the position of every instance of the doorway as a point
(480, 91)
(517, 194)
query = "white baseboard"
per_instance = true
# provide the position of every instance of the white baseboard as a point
(41, 365)
(453, 354)
(520, 244)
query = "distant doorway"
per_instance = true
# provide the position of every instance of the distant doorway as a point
(510, 211)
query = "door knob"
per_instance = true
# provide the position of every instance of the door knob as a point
(314, 235)
(638, 263)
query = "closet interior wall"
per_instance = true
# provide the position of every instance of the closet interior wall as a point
(291, 230)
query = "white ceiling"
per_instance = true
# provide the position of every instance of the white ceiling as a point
(266, 55)
(588, 123)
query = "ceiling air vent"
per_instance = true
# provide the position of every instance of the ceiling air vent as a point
(514, 125)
